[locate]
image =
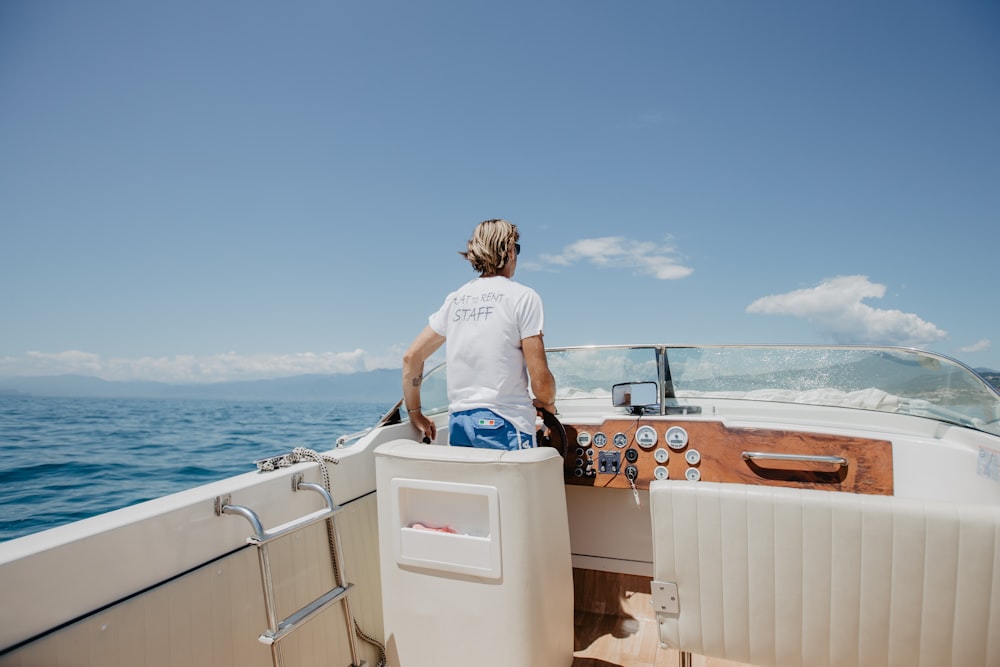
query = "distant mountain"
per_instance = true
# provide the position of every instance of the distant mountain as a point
(378, 386)
(991, 376)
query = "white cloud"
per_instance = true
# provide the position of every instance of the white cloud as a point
(979, 346)
(659, 260)
(68, 362)
(194, 369)
(837, 310)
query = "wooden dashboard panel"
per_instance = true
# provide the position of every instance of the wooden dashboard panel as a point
(716, 453)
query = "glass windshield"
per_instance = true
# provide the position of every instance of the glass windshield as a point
(591, 372)
(871, 378)
(579, 373)
(893, 380)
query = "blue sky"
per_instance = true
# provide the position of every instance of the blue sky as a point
(201, 191)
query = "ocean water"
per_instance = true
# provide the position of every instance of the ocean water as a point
(65, 459)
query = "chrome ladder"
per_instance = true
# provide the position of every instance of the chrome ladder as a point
(279, 629)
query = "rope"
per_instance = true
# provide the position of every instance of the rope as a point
(382, 660)
(300, 455)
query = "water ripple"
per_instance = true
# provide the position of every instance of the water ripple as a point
(65, 459)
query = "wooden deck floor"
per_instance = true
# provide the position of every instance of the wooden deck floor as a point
(615, 625)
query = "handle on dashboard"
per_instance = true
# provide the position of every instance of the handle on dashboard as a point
(759, 457)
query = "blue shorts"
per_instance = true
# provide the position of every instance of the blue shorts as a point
(486, 429)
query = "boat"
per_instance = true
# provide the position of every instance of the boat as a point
(692, 505)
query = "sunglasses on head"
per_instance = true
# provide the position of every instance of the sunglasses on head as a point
(517, 248)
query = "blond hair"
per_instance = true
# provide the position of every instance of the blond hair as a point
(490, 245)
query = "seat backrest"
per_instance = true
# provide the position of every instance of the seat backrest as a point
(782, 576)
(475, 552)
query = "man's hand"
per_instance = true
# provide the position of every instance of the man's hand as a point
(424, 425)
(539, 405)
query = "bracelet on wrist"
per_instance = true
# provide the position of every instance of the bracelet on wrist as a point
(413, 409)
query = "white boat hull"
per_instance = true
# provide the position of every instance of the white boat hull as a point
(891, 557)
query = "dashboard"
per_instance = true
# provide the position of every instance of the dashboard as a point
(630, 453)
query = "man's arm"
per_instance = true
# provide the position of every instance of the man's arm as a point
(423, 346)
(543, 385)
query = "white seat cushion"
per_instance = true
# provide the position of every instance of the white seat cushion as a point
(782, 576)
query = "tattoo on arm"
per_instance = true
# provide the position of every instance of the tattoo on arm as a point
(416, 381)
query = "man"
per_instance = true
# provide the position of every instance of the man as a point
(493, 328)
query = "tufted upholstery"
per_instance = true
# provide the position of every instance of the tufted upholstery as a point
(781, 576)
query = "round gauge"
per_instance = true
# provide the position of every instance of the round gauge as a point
(620, 440)
(645, 435)
(583, 439)
(661, 473)
(676, 437)
(692, 474)
(661, 455)
(692, 456)
(600, 439)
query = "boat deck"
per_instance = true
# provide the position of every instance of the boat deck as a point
(615, 625)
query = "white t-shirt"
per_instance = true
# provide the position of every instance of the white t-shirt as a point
(484, 322)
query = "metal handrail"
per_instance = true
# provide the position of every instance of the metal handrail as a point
(262, 536)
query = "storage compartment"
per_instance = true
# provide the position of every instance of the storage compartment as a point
(424, 514)
(504, 572)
